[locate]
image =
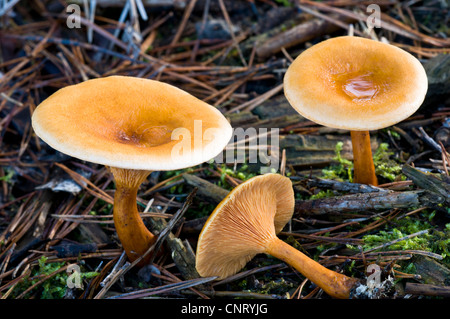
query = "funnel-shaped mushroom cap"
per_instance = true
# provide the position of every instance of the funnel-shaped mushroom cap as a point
(131, 123)
(355, 83)
(239, 227)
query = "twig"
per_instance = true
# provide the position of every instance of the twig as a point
(409, 251)
(345, 25)
(250, 105)
(200, 32)
(73, 43)
(164, 289)
(433, 183)
(84, 182)
(26, 291)
(387, 23)
(445, 158)
(366, 201)
(209, 191)
(114, 270)
(176, 4)
(246, 273)
(141, 8)
(4, 263)
(344, 186)
(90, 13)
(429, 140)
(325, 24)
(186, 15)
(115, 276)
(230, 28)
(237, 294)
(427, 290)
(8, 6)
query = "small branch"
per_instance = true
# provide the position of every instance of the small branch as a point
(181, 27)
(344, 186)
(427, 290)
(367, 201)
(7, 6)
(29, 289)
(429, 140)
(164, 289)
(438, 184)
(177, 4)
(296, 35)
(207, 190)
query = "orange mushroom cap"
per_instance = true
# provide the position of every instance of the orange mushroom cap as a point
(128, 122)
(355, 83)
(252, 212)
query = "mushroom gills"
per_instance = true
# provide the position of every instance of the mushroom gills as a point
(246, 223)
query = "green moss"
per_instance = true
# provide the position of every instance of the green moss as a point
(385, 166)
(279, 287)
(8, 177)
(267, 286)
(343, 170)
(284, 3)
(415, 243)
(323, 194)
(440, 244)
(434, 241)
(404, 227)
(242, 172)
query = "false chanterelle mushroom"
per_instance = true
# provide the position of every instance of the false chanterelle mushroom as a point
(246, 222)
(356, 84)
(128, 124)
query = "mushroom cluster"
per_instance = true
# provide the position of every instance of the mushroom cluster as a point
(247, 222)
(131, 125)
(359, 85)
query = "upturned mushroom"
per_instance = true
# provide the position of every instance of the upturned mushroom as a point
(246, 223)
(132, 126)
(359, 85)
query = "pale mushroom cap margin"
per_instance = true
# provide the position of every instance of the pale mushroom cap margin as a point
(313, 88)
(126, 122)
(252, 213)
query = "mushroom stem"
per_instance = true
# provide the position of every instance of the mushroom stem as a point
(334, 284)
(136, 239)
(364, 169)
